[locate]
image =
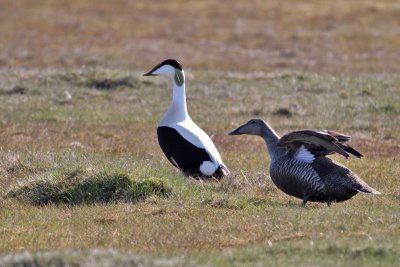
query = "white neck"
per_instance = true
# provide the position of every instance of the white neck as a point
(177, 111)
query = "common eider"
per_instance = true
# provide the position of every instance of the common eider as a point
(299, 166)
(185, 144)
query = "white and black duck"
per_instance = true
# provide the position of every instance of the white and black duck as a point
(300, 168)
(185, 144)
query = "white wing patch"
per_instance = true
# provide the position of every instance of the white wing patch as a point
(207, 168)
(304, 155)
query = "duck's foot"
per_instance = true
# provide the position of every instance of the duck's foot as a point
(305, 199)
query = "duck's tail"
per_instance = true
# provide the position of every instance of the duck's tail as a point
(221, 172)
(369, 190)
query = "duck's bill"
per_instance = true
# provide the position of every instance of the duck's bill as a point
(236, 131)
(150, 73)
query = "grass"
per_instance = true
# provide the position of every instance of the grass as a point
(88, 173)
(94, 257)
(84, 182)
(361, 36)
(74, 189)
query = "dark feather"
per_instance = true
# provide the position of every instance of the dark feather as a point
(342, 139)
(319, 143)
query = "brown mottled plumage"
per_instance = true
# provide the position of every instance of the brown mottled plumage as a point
(300, 168)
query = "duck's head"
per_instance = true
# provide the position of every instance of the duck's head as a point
(169, 68)
(252, 127)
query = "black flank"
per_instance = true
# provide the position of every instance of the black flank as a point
(188, 156)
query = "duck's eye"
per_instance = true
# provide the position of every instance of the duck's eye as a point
(252, 122)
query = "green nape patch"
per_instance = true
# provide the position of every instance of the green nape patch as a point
(80, 187)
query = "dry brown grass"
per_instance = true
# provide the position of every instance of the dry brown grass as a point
(329, 36)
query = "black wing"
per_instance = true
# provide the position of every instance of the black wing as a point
(318, 143)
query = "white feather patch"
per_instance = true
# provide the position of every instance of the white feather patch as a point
(207, 168)
(304, 155)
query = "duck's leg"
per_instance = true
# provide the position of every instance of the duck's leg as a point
(305, 199)
(329, 202)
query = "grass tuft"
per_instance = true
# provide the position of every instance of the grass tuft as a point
(391, 109)
(150, 186)
(93, 257)
(223, 203)
(77, 189)
(102, 80)
(372, 251)
(366, 92)
(283, 112)
(17, 90)
(111, 84)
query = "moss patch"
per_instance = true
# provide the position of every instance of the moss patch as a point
(79, 188)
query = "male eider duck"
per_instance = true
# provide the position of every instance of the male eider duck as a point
(184, 144)
(300, 168)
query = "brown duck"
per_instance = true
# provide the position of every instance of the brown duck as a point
(300, 168)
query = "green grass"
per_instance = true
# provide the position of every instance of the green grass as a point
(86, 172)
(92, 258)
(74, 189)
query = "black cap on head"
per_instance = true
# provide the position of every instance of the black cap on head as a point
(172, 62)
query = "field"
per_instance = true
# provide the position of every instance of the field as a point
(83, 180)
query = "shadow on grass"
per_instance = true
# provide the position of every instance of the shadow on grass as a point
(368, 251)
(101, 80)
(94, 257)
(111, 84)
(17, 89)
(273, 203)
(222, 204)
(283, 112)
(77, 188)
(243, 203)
